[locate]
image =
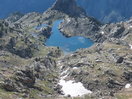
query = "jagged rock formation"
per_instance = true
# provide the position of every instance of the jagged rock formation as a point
(69, 7)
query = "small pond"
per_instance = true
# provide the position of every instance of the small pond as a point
(67, 44)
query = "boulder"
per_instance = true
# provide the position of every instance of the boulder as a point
(26, 77)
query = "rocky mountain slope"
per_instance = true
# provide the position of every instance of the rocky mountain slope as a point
(27, 66)
(104, 68)
(103, 10)
(107, 10)
(31, 70)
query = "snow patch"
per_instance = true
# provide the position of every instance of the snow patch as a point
(130, 46)
(127, 86)
(59, 62)
(75, 68)
(102, 32)
(130, 26)
(73, 89)
(68, 20)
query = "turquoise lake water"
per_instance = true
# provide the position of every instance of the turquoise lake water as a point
(67, 44)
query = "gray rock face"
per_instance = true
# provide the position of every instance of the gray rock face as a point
(9, 85)
(41, 76)
(86, 26)
(5, 29)
(128, 76)
(69, 7)
(22, 80)
(26, 52)
(26, 77)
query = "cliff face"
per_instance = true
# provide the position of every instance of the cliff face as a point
(69, 7)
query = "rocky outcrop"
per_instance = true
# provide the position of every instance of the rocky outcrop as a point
(4, 28)
(40, 76)
(86, 26)
(22, 79)
(91, 28)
